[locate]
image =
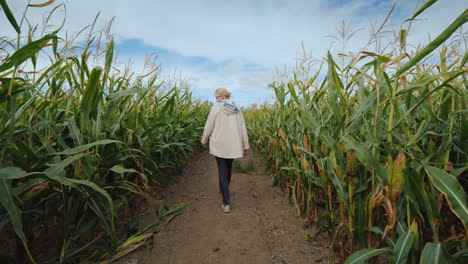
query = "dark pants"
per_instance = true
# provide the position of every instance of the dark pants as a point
(224, 172)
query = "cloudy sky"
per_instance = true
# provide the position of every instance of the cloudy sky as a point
(238, 44)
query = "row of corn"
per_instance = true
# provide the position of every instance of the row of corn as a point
(375, 152)
(80, 139)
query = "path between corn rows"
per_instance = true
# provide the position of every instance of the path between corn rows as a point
(261, 228)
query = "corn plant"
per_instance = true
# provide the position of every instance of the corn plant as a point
(79, 140)
(376, 153)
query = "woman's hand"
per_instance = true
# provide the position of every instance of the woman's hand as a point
(246, 152)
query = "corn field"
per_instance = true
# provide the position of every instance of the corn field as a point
(375, 154)
(79, 139)
(372, 153)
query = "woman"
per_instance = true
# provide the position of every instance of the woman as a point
(226, 131)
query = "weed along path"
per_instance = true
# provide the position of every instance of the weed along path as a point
(261, 228)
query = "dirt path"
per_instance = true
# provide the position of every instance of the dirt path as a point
(261, 228)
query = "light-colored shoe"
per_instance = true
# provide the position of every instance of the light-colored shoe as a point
(226, 208)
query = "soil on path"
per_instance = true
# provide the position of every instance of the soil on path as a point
(261, 228)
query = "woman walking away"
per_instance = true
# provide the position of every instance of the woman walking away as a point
(226, 131)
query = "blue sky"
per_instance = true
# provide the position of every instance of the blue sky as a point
(240, 45)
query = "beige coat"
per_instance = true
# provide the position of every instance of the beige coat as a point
(226, 131)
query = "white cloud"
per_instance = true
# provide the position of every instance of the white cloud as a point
(266, 33)
(232, 68)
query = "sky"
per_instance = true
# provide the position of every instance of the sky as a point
(239, 45)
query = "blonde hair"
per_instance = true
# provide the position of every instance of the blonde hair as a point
(222, 91)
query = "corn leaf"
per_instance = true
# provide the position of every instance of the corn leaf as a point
(53, 171)
(425, 6)
(365, 254)
(6, 200)
(26, 52)
(92, 94)
(433, 254)
(126, 92)
(10, 16)
(26, 185)
(452, 190)
(12, 173)
(121, 170)
(364, 155)
(82, 148)
(462, 19)
(402, 248)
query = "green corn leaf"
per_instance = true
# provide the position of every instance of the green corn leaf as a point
(415, 106)
(26, 52)
(402, 248)
(292, 92)
(74, 132)
(340, 188)
(10, 16)
(21, 109)
(416, 186)
(458, 171)
(364, 155)
(169, 145)
(462, 19)
(425, 6)
(452, 190)
(363, 109)
(17, 88)
(464, 60)
(433, 254)
(76, 184)
(108, 60)
(53, 173)
(403, 35)
(12, 173)
(92, 93)
(6, 200)
(121, 170)
(126, 92)
(46, 74)
(364, 254)
(54, 169)
(422, 83)
(86, 147)
(99, 209)
(96, 189)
